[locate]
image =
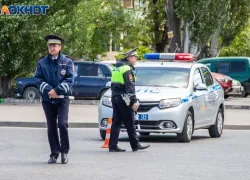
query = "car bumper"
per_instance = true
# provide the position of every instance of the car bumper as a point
(17, 93)
(157, 119)
(237, 90)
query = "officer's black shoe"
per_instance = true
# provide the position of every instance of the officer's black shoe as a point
(52, 160)
(140, 147)
(117, 149)
(64, 158)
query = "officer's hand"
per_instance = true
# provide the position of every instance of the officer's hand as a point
(135, 106)
(52, 94)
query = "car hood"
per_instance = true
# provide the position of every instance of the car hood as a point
(147, 93)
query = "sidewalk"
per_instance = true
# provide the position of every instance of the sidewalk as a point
(32, 115)
(86, 116)
(237, 103)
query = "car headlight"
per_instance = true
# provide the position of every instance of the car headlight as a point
(106, 101)
(168, 103)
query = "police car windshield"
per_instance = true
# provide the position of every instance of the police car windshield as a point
(162, 77)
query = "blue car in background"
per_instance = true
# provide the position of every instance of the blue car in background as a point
(91, 81)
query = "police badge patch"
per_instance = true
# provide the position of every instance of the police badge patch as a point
(63, 72)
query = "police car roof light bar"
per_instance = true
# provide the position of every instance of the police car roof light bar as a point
(169, 56)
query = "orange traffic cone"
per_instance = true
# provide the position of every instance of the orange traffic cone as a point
(106, 143)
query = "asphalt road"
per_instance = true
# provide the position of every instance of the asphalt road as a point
(25, 151)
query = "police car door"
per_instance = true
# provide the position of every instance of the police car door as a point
(211, 98)
(198, 98)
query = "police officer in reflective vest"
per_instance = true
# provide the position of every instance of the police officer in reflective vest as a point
(124, 102)
(54, 76)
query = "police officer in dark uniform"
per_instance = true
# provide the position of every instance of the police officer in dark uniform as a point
(55, 76)
(124, 102)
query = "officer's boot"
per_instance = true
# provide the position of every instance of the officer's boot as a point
(52, 160)
(117, 149)
(64, 158)
(140, 147)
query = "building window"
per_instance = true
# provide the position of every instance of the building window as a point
(128, 3)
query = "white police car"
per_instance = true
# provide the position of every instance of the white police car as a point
(174, 97)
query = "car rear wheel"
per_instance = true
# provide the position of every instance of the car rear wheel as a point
(103, 134)
(188, 129)
(31, 93)
(144, 133)
(215, 130)
(244, 93)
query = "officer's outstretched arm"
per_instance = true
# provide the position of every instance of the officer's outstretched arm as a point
(65, 88)
(44, 87)
(129, 86)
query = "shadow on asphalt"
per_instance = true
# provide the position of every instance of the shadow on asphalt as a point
(162, 138)
(156, 138)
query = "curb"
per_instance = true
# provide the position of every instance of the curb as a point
(92, 125)
(37, 101)
(237, 127)
(43, 124)
(243, 107)
(11, 101)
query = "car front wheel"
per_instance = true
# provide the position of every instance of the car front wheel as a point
(215, 130)
(188, 129)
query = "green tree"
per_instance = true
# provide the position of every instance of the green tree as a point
(83, 24)
(233, 22)
(240, 46)
(141, 51)
(149, 28)
(200, 19)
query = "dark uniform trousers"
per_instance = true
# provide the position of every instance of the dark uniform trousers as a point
(125, 114)
(53, 112)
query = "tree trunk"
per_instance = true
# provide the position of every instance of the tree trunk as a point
(182, 35)
(214, 44)
(186, 38)
(193, 48)
(204, 52)
(173, 25)
(6, 87)
(214, 49)
(160, 34)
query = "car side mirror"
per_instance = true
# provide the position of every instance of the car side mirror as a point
(201, 87)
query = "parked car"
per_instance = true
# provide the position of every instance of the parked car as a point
(91, 81)
(225, 82)
(237, 68)
(237, 88)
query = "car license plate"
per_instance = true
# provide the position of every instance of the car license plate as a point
(141, 117)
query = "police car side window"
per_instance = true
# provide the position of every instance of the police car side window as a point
(197, 77)
(207, 76)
